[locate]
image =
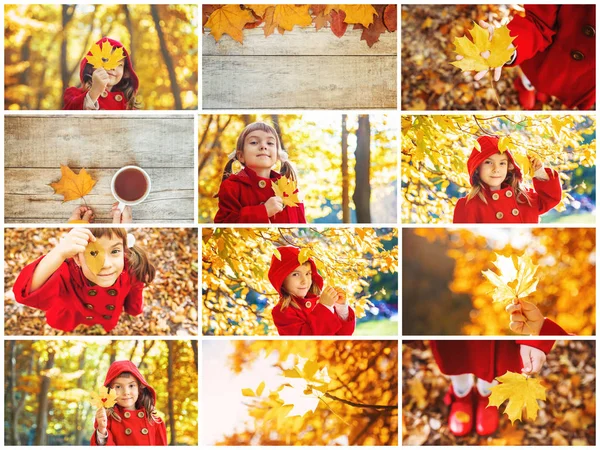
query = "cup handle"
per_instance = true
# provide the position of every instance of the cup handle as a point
(121, 207)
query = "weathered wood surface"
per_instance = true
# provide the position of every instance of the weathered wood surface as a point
(315, 82)
(35, 146)
(301, 41)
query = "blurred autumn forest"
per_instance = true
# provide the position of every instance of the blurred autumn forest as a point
(567, 417)
(430, 82)
(48, 386)
(346, 163)
(44, 45)
(334, 392)
(237, 296)
(442, 275)
(170, 301)
(435, 150)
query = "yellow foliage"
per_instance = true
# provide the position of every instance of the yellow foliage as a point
(497, 50)
(521, 392)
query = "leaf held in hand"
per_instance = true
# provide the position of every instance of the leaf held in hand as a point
(521, 392)
(94, 257)
(516, 279)
(103, 398)
(498, 48)
(73, 186)
(285, 189)
(103, 56)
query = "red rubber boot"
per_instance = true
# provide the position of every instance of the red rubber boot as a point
(526, 97)
(486, 417)
(460, 419)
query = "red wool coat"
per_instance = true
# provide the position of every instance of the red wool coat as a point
(242, 197)
(488, 359)
(134, 427)
(502, 206)
(312, 319)
(556, 48)
(74, 99)
(70, 300)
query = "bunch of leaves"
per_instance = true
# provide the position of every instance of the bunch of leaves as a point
(435, 150)
(516, 279)
(73, 186)
(235, 263)
(521, 392)
(105, 56)
(373, 20)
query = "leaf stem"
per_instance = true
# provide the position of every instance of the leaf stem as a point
(494, 87)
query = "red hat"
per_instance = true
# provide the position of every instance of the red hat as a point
(134, 79)
(118, 367)
(489, 147)
(289, 261)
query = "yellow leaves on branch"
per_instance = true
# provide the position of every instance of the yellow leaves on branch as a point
(285, 189)
(103, 398)
(521, 392)
(94, 257)
(516, 279)
(481, 53)
(73, 186)
(104, 56)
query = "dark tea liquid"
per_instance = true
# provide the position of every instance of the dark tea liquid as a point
(131, 185)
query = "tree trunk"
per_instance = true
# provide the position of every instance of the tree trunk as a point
(129, 25)
(345, 178)
(195, 349)
(79, 425)
(362, 189)
(171, 411)
(10, 398)
(277, 126)
(67, 15)
(42, 416)
(166, 57)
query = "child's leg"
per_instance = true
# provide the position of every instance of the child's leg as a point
(460, 398)
(462, 384)
(486, 418)
(483, 387)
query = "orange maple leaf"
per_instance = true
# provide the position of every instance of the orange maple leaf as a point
(73, 186)
(230, 19)
(362, 14)
(287, 16)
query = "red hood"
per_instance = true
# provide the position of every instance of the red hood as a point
(118, 367)
(128, 65)
(289, 261)
(489, 147)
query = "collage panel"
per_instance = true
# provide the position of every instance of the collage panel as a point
(335, 168)
(499, 281)
(498, 57)
(499, 392)
(91, 57)
(499, 169)
(99, 281)
(300, 392)
(299, 56)
(300, 282)
(120, 392)
(101, 169)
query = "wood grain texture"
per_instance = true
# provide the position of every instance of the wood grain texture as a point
(300, 41)
(332, 82)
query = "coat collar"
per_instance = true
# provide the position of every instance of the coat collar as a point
(249, 177)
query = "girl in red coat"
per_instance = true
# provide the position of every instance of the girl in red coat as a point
(104, 89)
(304, 307)
(133, 420)
(497, 196)
(62, 284)
(248, 196)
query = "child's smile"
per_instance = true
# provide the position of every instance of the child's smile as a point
(260, 152)
(115, 75)
(114, 262)
(299, 281)
(127, 391)
(493, 171)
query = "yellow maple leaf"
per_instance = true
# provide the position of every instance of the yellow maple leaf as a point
(497, 50)
(229, 19)
(73, 186)
(103, 398)
(103, 56)
(288, 16)
(94, 257)
(305, 387)
(259, 10)
(516, 279)
(362, 14)
(521, 392)
(285, 189)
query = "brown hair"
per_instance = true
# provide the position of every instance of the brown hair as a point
(286, 170)
(137, 258)
(125, 86)
(510, 180)
(144, 401)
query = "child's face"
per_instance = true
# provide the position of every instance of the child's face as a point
(114, 262)
(299, 281)
(493, 170)
(115, 75)
(127, 391)
(260, 150)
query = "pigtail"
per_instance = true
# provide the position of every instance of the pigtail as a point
(228, 170)
(287, 170)
(139, 264)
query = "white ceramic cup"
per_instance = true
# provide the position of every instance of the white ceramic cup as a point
(124, 203)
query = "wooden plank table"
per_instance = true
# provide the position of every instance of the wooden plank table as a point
(35, 146)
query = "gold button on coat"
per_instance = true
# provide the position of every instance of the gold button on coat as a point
(112, 292)
(308, 304)
(104, 94)
(499, 215)
(589, 31)
(127, 431)
(127, 415)
(110, 307)
(262, 184)
(577, 55)
(89, 318)
(107, 317)
(141, 415)
(495, 196)
(118, 97)
(92, 292)
(89, 306)
(509, 194)
(144, 430)
(515, 212)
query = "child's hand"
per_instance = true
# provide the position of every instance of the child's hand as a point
(100, 80)
(74, 243)
(329, 296)
(536, 164)
(121, 217)
(341, 300)
(82, 214)
(525, 318)
(102, 420)
(274, 205)
(533, 359)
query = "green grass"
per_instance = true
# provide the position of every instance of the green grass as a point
(377, 328)
(576, 218)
